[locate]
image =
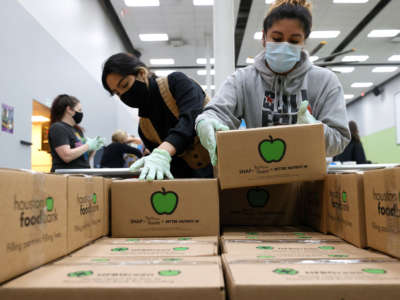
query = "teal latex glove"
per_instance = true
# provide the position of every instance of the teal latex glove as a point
(304, 116)
(206, 132)
(154, 166)
(95, 143)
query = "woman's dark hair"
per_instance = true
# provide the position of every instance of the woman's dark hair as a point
(290, 9)
(354, 131)
(59, 105)
(121, 63)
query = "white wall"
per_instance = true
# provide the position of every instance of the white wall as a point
(40, 61)
(375, 113)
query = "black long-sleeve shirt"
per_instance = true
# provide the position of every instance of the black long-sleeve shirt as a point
(180, 132)
(113, 155)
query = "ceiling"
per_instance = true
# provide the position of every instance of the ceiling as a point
(180, 19)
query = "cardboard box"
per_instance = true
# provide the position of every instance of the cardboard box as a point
(184, 248)
(33, 220)
(260, 230)
(107, 205)
(265, 156)
(198, 279)
(382, 207)
(282, 236)
(164, 240)
(344, 198)
(315, 208)
(86, 218)
(269, 205)
(165, 208)
(304, 281)
(309, 249)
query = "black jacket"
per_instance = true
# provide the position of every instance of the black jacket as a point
(353, 152)
(113, 155)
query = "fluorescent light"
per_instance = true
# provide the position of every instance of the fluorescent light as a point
(343, 69)
(204, 87)
(349, 1)
(250, 60)
(269, 1)
(359, 58)
(163, 73)
(313, 58)
(203, 2)
(394, 58)
(361, 84)
(348, 96)
(258, 35)
(384, 69)
(162, 61)
(153, 37)
(324, 34)
(383, 33)
(204, 72)
(142, 3)
(40, 119)
(203, 61)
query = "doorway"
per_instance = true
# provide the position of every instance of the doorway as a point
(40, 153)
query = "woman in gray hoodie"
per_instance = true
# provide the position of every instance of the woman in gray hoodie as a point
(282, 87)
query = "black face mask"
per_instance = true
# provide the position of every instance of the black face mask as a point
(136, 96)
(78, 116)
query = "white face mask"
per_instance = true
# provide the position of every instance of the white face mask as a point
(282, 57)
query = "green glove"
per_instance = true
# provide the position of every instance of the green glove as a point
(304, 116)
(95, 143)
(156, 165)
(206, 132)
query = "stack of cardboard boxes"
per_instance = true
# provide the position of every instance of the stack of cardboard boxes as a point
(165, 234)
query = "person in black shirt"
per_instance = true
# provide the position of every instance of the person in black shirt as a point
(354, 151)
(69, 148)
(113, 155)
(127, 77)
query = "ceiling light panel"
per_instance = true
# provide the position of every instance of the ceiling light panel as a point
(142, 3)
(258, 35)
(162, 61)
(203, 2)
(361, 84)
(324, 34)
(349, 1)
(153, 37)
(343, 69)
(394, 58)
(204, 72)
(358, 58)
(203, 61)
(163, 73)
(384, 69)
(381, 33)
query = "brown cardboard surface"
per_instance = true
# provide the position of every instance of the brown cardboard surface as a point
(264, 156)
(33, 220)
(86, 219)
(162, 240)
(201, 279)
(315, 208)
(279, 236)
(268, 205)
(165, 208)
(305, 281)
(182, 248)
(310, 249)
(345, 207)
(260, 230)
(107, 204)
(382, 209)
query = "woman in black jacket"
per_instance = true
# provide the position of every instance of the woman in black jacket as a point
(168, 108)
(354, 151)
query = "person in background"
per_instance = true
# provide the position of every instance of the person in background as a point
(69, 148)
(168, 107)
(282, 87)
(354, 151)
(113, 154)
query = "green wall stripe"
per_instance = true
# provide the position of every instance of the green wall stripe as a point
(381, 147)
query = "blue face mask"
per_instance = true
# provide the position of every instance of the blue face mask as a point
(282, 57)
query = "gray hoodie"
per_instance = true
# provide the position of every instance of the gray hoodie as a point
(263, 98)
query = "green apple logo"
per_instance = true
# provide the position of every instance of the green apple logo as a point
(299, 233)
(172, 259)
(251, 237)
(338, 255)
(257, 197)
(265, 256)
(100, 259)
(265, 247)
(326, 248)
(252, 233)
(181, 248)
(80, 274)
(344, 197)
(272, 150)
(119, 249)
(49, 203)
(304, 237)
(94, 198)
(164, 202)
(184, 239)
(169, 273)
(132, 240)
(285, 271)
(374, 271)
